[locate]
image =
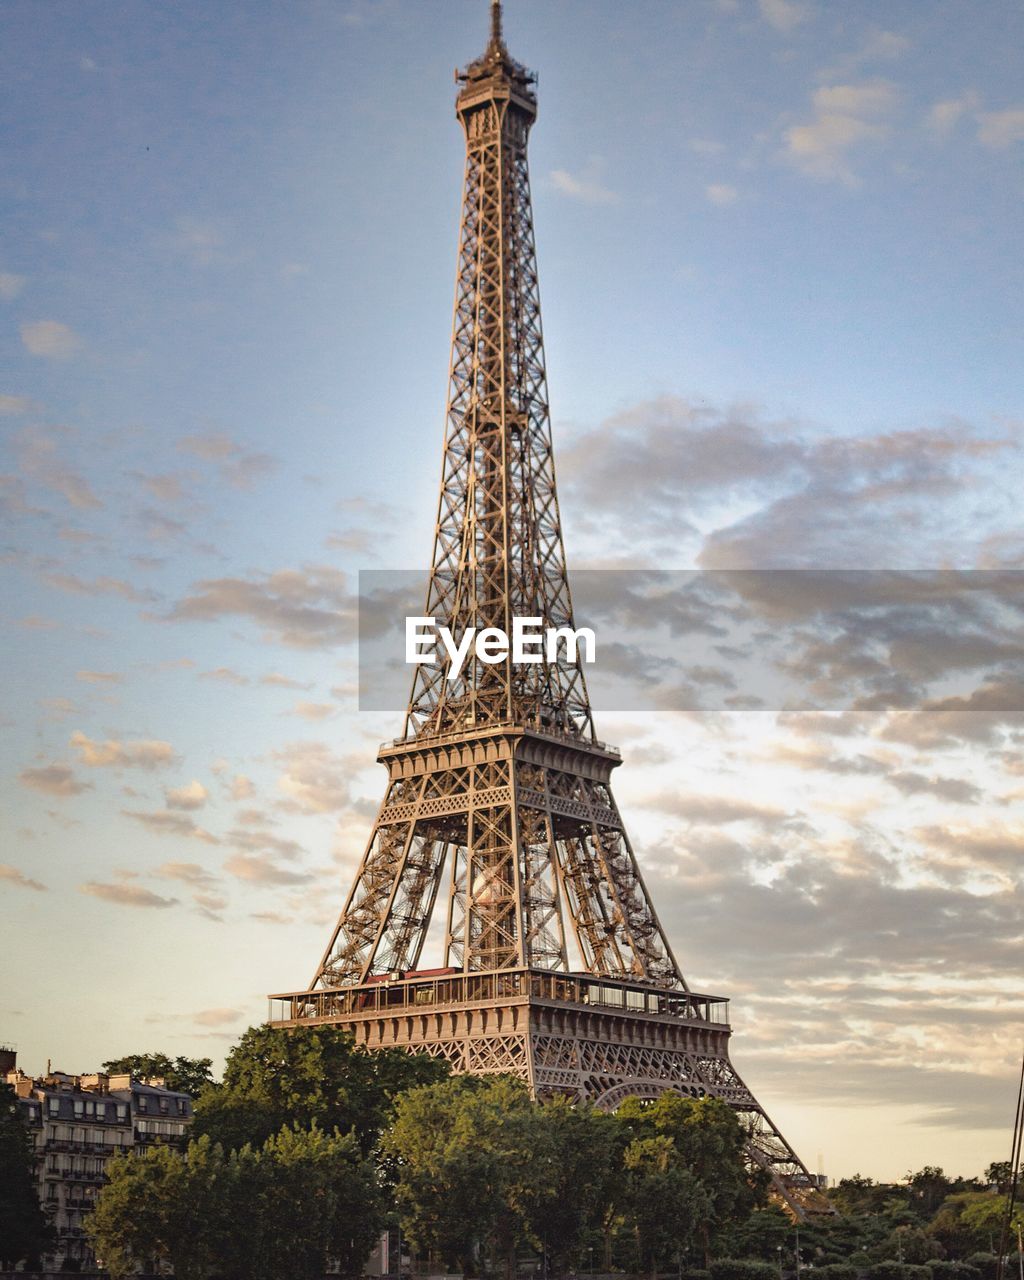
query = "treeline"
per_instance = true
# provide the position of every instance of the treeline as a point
(309, 1148)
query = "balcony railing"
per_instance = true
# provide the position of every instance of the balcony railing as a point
(428, 739)
(411, 993)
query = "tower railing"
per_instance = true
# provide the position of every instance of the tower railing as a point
(397, 993)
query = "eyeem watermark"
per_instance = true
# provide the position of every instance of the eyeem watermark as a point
(530, 642)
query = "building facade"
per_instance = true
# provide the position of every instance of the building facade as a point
(78, 1123)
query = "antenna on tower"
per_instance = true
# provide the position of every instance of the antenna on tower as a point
(496, 36)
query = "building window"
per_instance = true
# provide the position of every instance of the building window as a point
(54, 1105)
(142, 1104)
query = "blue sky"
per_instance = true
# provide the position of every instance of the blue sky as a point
(781, 270)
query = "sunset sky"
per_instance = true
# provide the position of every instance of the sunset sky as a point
(782, 275)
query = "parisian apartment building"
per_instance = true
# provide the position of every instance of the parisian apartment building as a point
(77, 1123)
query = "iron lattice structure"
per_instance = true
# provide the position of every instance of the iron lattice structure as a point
(499, 779)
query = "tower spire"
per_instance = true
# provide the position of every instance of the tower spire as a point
(496, 33)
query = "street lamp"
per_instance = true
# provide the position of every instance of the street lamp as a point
(778, 1250)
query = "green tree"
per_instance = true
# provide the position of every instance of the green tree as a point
(711, 1143)
(276, 1078)
(303, 1199)
(23, 1230)
(317, 1203)
(928, 1188)
(663, 1202)
(983, 1219)
(577, 1179)
(912, 1245)
(764, 1234)
(999, 1174)
(466, 1154)
(189, 1075)
(163, 1207)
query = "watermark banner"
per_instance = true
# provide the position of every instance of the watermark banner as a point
(730, 640)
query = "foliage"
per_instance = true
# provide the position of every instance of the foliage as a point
(251, 1215)
(892, 1270)
(836, 1271)
(466, 1153)
(709, 1142)
(578, 1160)
(162, 1206)
(663, 1201)
(764, 1234)
(928, 1188)
(986, 1264)
(312, 1075)
(999, 1174)
(947, 1269)
(907, 1244)
(741, 1269)
(23, 1230)
(188, 1075)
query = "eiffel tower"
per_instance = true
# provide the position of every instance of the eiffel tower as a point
(556, 967)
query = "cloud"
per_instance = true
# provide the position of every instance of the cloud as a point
(187, 872)
(260, 869)
(192, 796)
(308, 608)
(168, 487)
(226, 675)
(41, 461)
(210, 905)
(714, 810)
(102, 586)
(11, 875)
(144, 754)
(944, 115)
(10, 286)
(313, 780)
(587, 186)
(259, 840)
(217, 1017)
(314, 710)
(235, 465)
(242, 788)
(50, 338)
(11, 405)
(1001, 129)
(846, 117)
(171, 824)
(956, 790)
(664, 460)
(202, 243)
(721, 193)
(783, 15)
(979, 718)
(274, 680)
(126, 895)
(99, 677)
(53, 780)
(14, 500)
